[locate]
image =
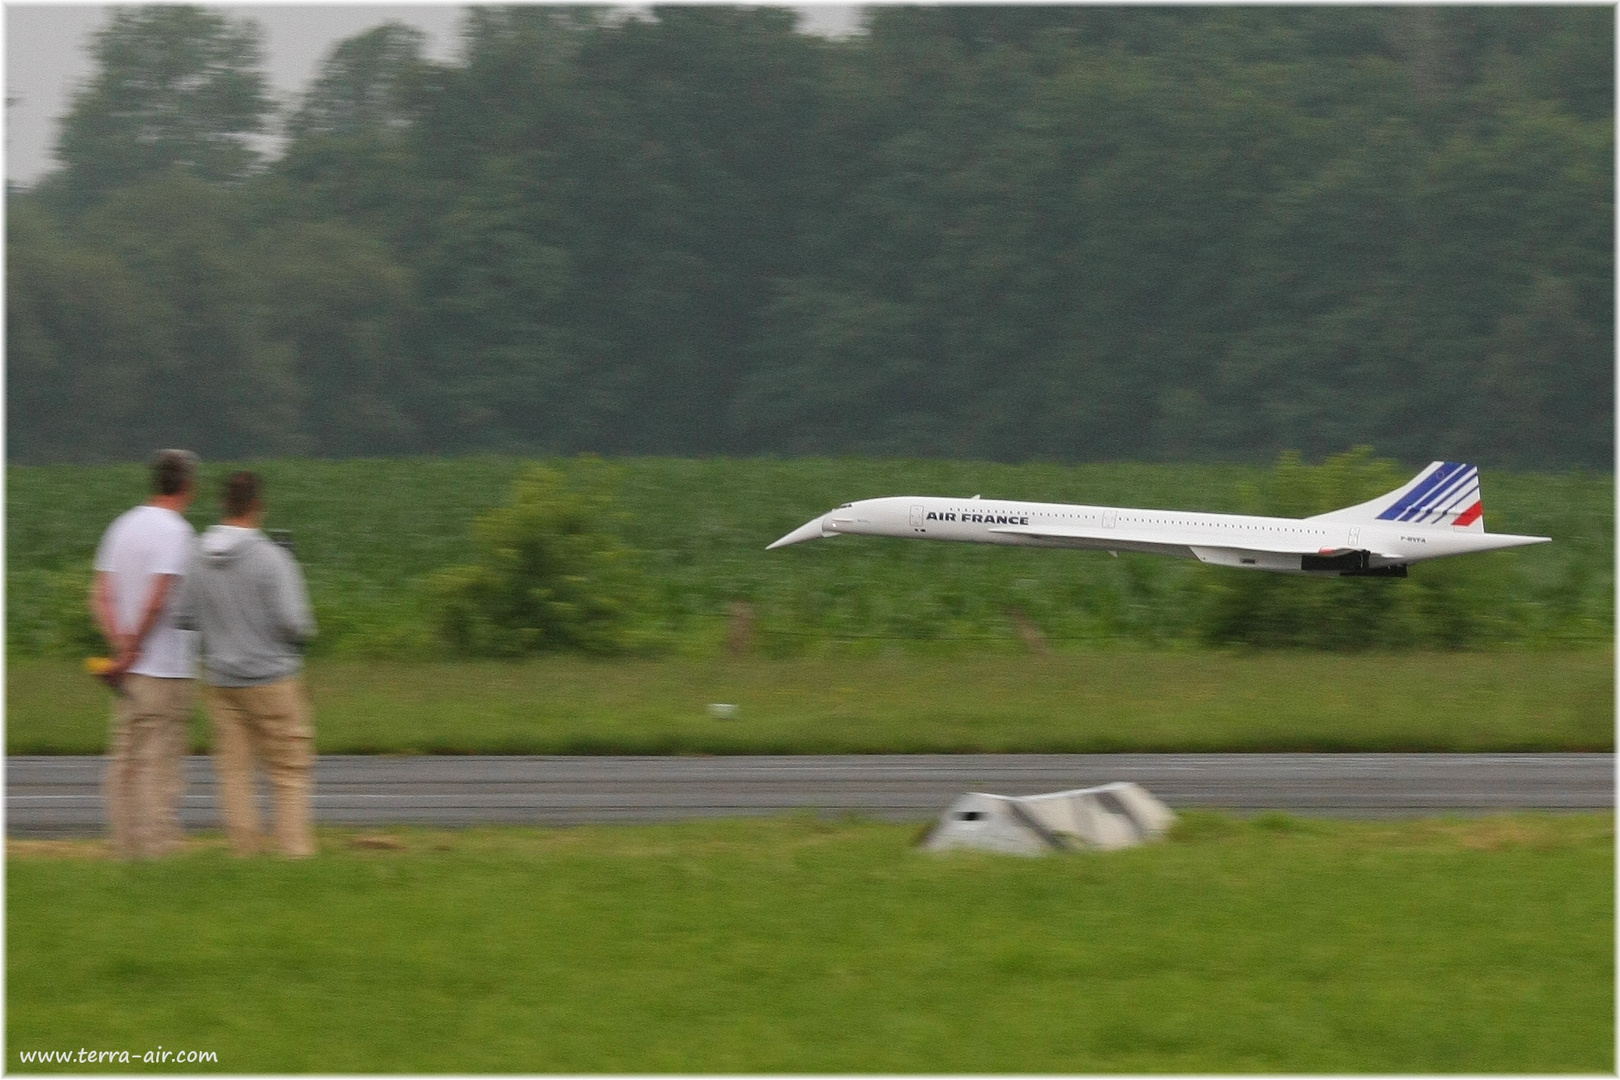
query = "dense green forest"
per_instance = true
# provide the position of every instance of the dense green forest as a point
(1002, 233)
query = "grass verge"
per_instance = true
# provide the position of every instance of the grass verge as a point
(800, 945)
(905, 702)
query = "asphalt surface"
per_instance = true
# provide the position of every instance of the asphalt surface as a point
(60, 796)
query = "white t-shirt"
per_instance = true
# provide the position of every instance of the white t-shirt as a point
(141, 544)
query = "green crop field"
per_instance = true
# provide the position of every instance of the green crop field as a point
(894, 701)
(371, 533)
(798, 945)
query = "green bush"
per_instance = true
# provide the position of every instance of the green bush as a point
(552, 573)
(48, 612)
(1442, 605)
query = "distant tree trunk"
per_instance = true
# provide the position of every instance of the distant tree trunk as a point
(1030, 634)
(740, 635)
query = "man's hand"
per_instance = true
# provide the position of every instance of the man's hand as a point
(128, 651)
(107, 671)
(127, 647)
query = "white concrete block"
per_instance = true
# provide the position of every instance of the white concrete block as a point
(1101, 818)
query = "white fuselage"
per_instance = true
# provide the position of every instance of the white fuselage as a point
(1282, 545)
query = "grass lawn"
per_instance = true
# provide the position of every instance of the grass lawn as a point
(866, 702)
(797, 945)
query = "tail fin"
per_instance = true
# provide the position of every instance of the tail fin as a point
(1446, 493)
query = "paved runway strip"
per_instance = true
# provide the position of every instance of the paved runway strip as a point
(60, 796)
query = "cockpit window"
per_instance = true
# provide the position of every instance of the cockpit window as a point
(846, 506)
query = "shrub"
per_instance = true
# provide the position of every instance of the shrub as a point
(552, 573)
(48, 612)
(1438, 607)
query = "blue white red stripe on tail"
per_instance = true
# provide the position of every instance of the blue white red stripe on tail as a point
(1447, 494)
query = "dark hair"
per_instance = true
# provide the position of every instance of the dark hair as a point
(173, 471)
(240, 493)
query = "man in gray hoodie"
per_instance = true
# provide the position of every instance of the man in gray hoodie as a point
(246, 596)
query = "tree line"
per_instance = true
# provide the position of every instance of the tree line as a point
(1005, 233)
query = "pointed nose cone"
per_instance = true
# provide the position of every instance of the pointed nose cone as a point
(810, 530)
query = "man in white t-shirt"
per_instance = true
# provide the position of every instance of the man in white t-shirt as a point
(142, 558)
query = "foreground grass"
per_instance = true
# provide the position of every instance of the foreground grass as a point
(1064, 701)
(795, 945)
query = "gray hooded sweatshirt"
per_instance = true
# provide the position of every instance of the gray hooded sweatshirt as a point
(246, 596)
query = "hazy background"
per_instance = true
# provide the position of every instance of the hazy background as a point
(47, 55)
(996, 233)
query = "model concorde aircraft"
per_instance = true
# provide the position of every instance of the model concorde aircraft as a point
(1438, 513)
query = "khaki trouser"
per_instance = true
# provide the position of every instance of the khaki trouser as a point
(267, 725)
(146, 753)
